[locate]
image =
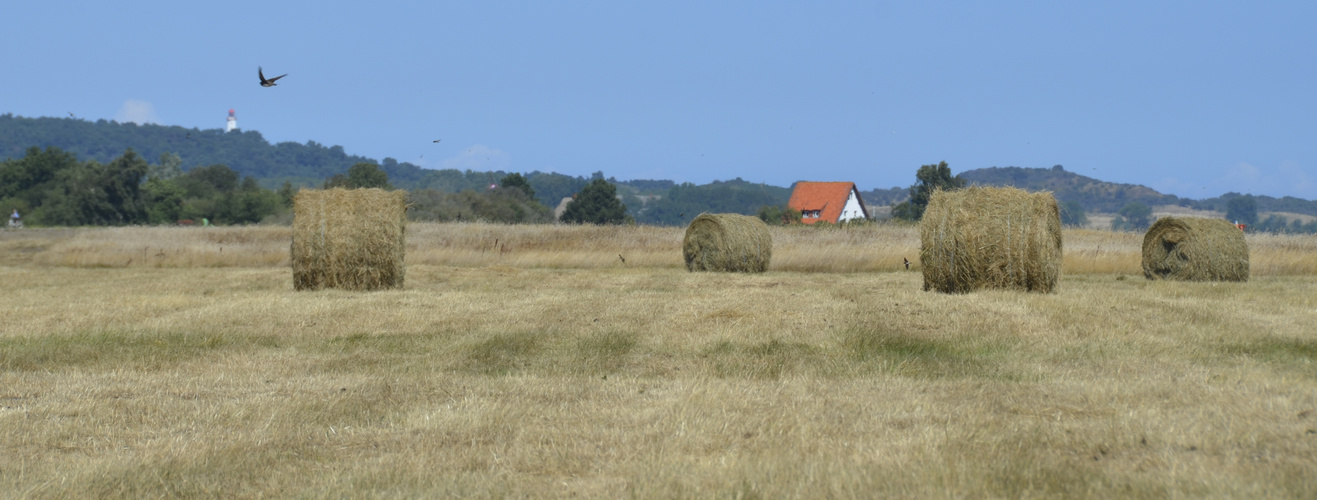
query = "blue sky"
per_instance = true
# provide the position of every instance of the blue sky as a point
(1190, 98)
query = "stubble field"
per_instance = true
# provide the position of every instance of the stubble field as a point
(531, 361)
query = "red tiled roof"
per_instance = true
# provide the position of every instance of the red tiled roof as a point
(829, 198)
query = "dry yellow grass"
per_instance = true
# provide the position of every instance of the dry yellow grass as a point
(544, 367)
(498, 381)
(878, 247)
(168, 247)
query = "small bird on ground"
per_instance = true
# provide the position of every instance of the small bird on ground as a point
(267, 83)
(907, 262)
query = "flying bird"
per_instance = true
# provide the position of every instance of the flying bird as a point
(270, 82)
(437, 140)
(71, 115)
(907, 262)
(621, 257)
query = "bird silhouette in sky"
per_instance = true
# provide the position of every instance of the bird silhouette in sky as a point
(437, 140)
(267, 83)
(71, 115)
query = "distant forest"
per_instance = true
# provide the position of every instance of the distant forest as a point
(257, 163)
(1099, 196)
(82, 145)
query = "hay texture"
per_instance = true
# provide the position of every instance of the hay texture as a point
(350, 239)
(727, 242)
(990, 238)
(1195, 249)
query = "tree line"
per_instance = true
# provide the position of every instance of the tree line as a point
(452, 194)
(1131, 216)
(52, 187)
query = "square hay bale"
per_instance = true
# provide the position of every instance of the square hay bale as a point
(1195, 249)
(727, 242)
(351, 239)
(990, 238)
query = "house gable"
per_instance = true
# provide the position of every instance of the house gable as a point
(827, 201)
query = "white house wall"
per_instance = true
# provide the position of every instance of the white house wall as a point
(852, 210)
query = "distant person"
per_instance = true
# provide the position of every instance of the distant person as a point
(15, 216)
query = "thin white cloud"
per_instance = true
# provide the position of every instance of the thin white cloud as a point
(1286, 179)
(1295, 177)
(478, 157)
(136, 111)
(1176, 186)
(1242, 174)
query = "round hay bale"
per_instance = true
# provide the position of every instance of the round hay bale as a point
(990, 238)
(351, 239)
(1195, 249)
(727, 242)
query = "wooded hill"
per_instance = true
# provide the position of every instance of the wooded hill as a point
(249, 154)
(1092, 194)
(1100, 196)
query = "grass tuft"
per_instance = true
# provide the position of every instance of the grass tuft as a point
(504, 354)
(769, 360)
(149, 351)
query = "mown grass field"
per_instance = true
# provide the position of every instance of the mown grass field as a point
(147, 362)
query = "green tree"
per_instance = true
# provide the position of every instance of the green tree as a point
(18, 178)
(1134, 216)
(286, 194)
(118, 199)
(67, 202)
(1072, 214)
(682, 202)
(28, 183)
(367, 175)
(905, 211)
(360, 175)
(170, 166)
(247, 205)
(516, 181)
(510, 206)
(164, 201)
(98, 194)
(779, 215)
(1242, 210)
(929, 178)
(337, 181)
(551, 188)
(597, 203)
(206, 182)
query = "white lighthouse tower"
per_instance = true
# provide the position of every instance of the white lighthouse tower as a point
(233, 122)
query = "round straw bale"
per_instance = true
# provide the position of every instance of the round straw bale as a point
(727, 242)
(1195, 249)
(990, 238)
(349, 238)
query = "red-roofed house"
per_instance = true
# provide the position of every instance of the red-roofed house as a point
(827, 201)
